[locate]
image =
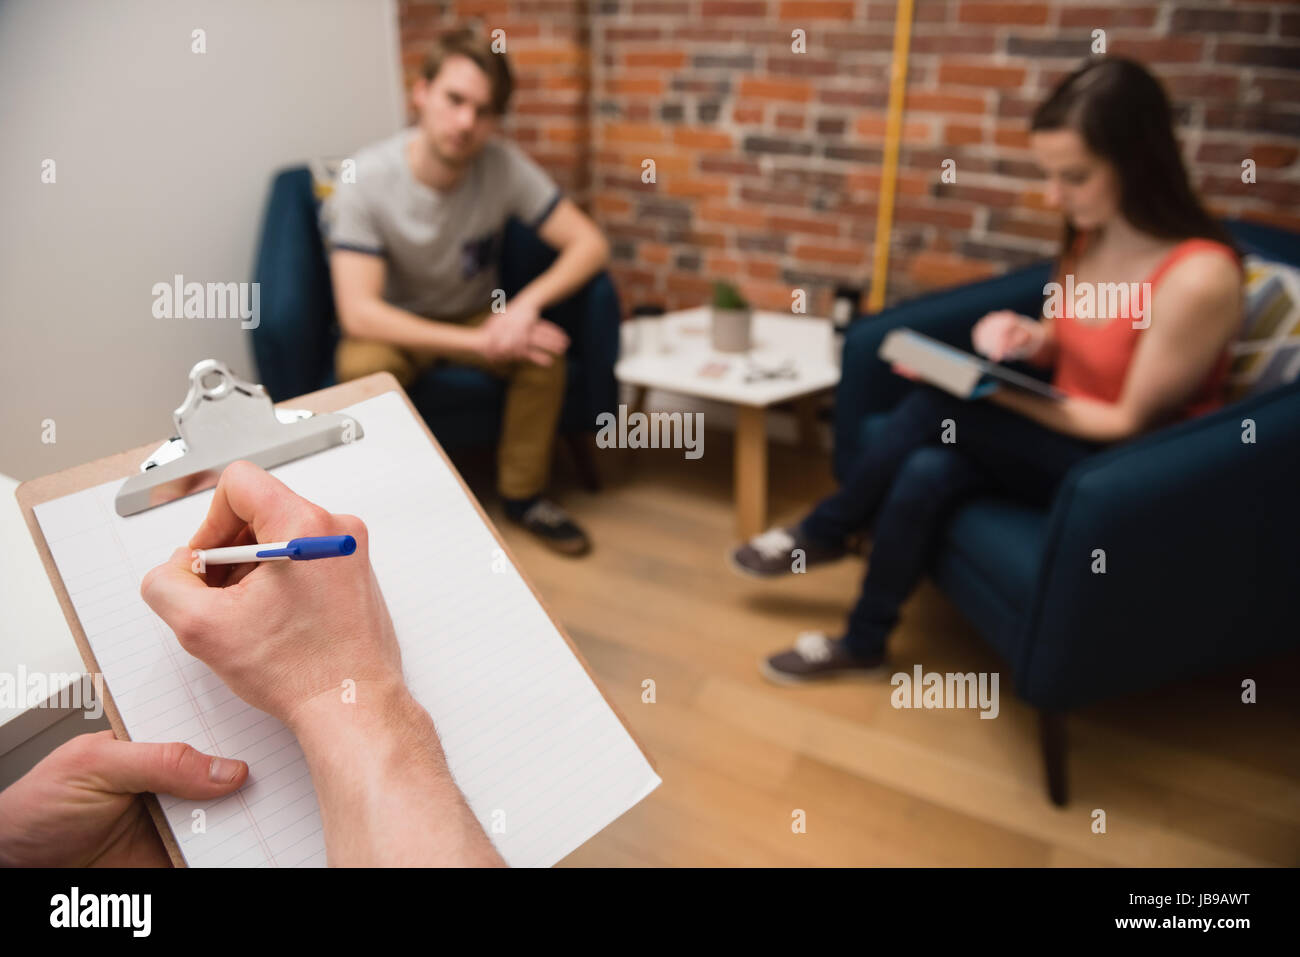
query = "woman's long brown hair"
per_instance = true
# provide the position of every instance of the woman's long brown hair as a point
(1124, 116)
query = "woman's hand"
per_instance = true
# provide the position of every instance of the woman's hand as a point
(81, 806)
(1008, 335)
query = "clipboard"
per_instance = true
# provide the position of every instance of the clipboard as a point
(130, 464)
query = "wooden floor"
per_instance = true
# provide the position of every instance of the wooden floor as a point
(1187, 775)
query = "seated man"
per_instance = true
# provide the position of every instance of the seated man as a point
(414, 245)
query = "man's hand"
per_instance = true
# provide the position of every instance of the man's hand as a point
(278, 633)
(80, 806)
(521, 333)
(285, 637)
(510, 329)
(1007, 335)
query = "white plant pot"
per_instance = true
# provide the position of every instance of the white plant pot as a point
(730, 329)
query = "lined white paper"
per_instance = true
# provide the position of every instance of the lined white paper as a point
(541, 758)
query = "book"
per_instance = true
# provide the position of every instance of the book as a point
(964, 375)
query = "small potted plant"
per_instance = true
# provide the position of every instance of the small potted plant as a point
(730, 318)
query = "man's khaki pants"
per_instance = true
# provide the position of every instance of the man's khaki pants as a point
(534, 395)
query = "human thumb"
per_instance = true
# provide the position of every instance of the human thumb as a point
(133, 767)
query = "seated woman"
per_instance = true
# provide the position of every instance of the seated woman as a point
(1105, 141)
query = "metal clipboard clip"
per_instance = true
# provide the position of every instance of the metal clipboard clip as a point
(224, 419)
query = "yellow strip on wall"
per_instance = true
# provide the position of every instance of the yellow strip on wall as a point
(893, 136)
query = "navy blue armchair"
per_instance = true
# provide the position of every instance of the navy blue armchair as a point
(1199, 529)
(295, 339)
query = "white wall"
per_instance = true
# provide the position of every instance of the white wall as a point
(163, 160)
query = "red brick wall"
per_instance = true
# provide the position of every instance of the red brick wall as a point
(768, 162)
(548, 43)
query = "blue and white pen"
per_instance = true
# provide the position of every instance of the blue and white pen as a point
(296, 549)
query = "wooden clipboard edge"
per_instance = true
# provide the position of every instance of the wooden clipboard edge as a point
(120, 466)
(56, 485)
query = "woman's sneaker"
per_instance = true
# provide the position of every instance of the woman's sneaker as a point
(773, 553)
(815, 657)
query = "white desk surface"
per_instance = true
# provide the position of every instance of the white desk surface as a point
(671, 357)
(33, 631)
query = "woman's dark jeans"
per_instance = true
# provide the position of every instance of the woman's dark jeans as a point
(908, 481)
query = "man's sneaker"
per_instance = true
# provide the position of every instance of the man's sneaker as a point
(815, 657)
(773, 553)
(555, 528)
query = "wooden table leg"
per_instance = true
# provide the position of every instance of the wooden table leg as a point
(805, 408)
(638, 399)
(751, 470)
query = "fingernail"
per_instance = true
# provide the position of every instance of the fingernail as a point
(222, 770)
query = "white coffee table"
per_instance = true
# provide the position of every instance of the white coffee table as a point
(672, 359)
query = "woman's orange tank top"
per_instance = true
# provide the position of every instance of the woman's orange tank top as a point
(1093, 359)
